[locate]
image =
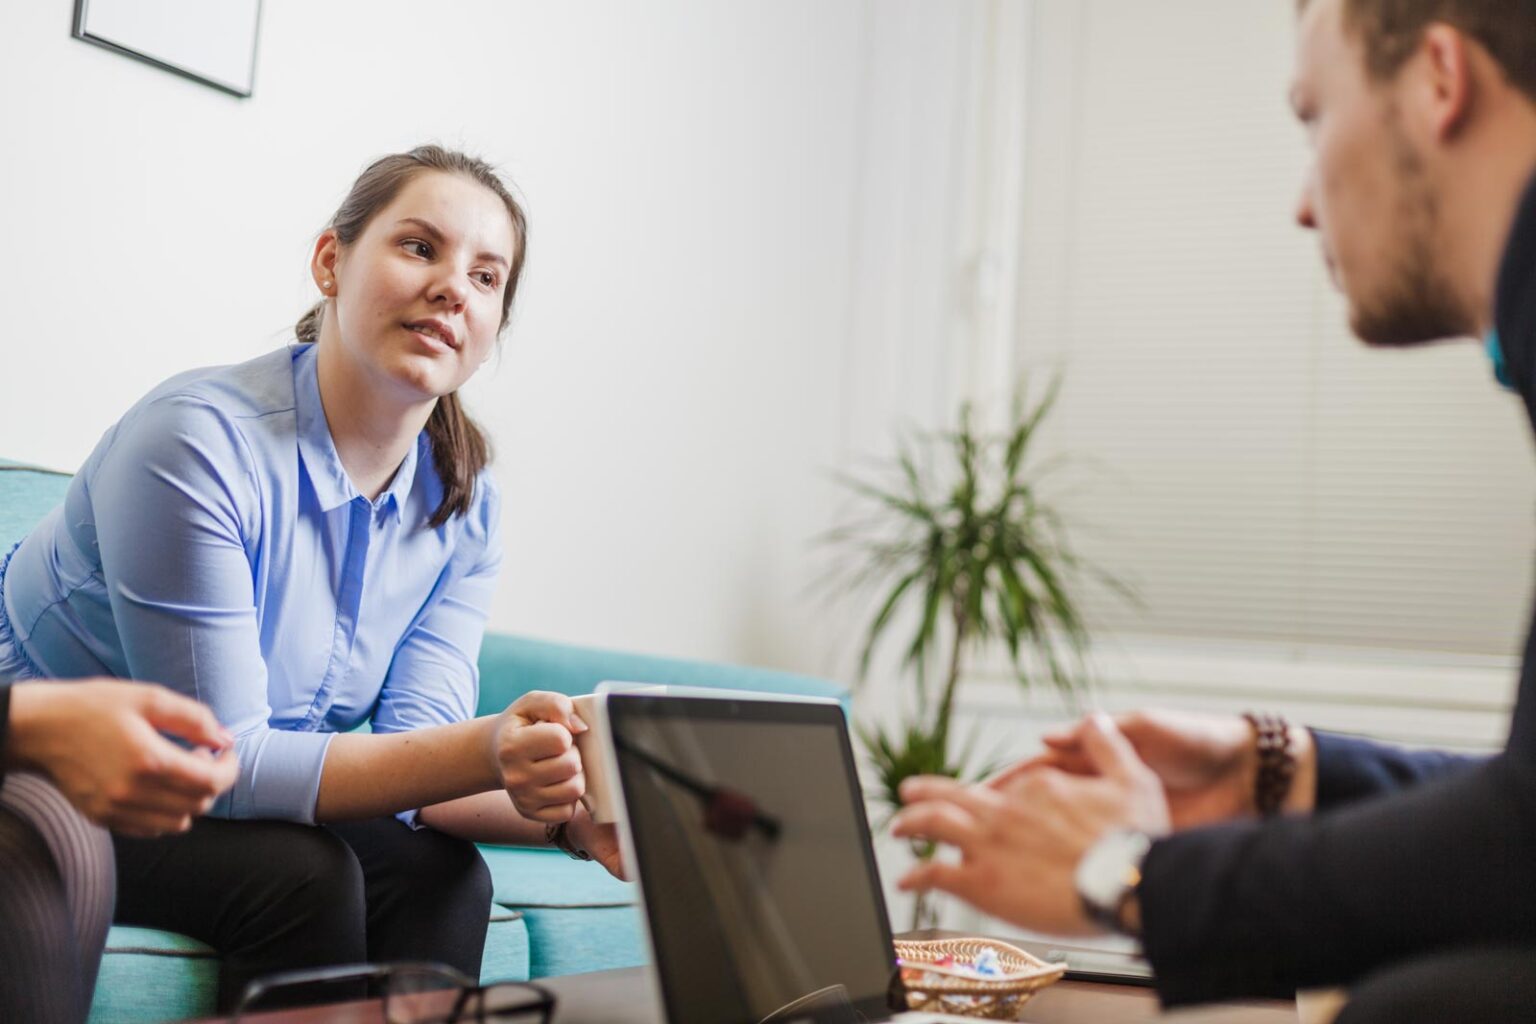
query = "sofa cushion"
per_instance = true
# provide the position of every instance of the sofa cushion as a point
(579, 917)
(523, 877)
(26, 495)
(578, 940)
(149, 975)
(506, 947)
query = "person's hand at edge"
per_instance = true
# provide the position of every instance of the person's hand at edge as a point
(100, 741)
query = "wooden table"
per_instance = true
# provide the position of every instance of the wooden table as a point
(619, 997)
(610, 997)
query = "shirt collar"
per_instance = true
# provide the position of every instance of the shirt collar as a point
(400, 487)
(333, 488)
(1515, 300)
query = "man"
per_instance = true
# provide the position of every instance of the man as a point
(1415, 880)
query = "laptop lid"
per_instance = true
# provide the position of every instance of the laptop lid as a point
(745, 822)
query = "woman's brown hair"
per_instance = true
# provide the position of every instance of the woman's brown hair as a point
(460, 449)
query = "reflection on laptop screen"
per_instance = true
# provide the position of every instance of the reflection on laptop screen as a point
(753, 851)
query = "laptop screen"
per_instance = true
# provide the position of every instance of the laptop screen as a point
(755, 859)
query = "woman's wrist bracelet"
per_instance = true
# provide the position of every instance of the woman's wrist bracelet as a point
(1277, 765)
(558, 836)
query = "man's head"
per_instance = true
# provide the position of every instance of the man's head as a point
(1422, 119)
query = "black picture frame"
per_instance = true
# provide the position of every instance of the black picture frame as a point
(82, 30)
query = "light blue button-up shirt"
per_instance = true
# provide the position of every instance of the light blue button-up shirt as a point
(212, 542)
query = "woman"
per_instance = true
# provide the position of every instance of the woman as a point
(304, 542)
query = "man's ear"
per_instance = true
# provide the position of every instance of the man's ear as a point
(1447, 88)
(322, 263)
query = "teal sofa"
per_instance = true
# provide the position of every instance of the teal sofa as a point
(549, 915)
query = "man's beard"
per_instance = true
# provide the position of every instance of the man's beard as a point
(1416, 302)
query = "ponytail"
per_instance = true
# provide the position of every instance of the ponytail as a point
(308, 328)
(460, 451)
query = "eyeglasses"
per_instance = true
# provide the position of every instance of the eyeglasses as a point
(406, 993)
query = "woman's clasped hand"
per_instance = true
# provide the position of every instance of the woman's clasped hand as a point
(541, 769)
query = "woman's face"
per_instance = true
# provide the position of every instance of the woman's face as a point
(416, 299)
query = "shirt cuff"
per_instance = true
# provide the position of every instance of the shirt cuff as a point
(279, 776)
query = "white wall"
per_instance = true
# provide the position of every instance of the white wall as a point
(737, 210)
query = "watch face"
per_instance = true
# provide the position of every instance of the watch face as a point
(1109, 869)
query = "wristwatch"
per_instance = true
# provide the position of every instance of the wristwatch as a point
(558, 837)
(1108, 875)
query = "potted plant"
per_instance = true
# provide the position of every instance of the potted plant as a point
(978, 557)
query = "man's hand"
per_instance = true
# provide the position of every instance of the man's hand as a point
(100, 742)
(1207, 763)
(536, 759)
(1020, 841)
(601, 841)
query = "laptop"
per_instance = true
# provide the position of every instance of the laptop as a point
(744, 821)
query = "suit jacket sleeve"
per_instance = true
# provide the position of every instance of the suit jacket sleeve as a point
(1350, 768)
(1266, 908)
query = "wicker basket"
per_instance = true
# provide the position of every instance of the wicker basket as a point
(1000, 998)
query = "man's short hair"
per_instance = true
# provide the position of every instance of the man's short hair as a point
(1391, 30)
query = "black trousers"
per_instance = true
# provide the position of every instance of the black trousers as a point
(1489, 985)
(275, 896)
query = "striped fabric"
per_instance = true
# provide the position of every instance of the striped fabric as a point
(55, 902)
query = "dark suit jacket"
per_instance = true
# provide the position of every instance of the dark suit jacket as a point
(1408, 853)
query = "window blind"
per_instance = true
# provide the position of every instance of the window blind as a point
(1254, 471)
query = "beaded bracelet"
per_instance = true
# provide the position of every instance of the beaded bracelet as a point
(1277, 766)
